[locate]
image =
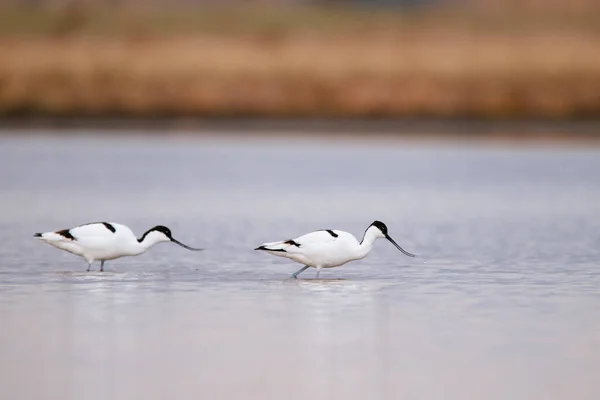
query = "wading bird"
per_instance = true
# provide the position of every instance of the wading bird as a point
(329, 248)
(103, 241)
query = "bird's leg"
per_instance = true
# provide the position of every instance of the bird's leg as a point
(101, 266)
(318, 271)
(89, 266)
(295, 274)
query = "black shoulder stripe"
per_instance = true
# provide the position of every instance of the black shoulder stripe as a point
(332, 233)
(291, 241)
(66, 234)
(109, 227)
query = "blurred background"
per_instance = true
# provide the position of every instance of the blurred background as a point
(483, 59)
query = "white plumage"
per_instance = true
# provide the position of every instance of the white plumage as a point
(103, 241)
(329, 248)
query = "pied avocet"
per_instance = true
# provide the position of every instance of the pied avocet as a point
(102, 241)
(329, 248)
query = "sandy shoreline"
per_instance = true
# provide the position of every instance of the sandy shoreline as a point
(575, 132)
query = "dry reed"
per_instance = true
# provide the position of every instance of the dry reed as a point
(425, 70)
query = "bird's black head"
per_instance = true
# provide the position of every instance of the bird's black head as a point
(381, 226)
(162, 229)
(166, 232)
(158, 228)
(384, 231)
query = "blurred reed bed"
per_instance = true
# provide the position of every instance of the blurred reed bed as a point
(301, 61)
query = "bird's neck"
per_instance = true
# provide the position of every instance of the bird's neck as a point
(138, 248)
(366, 244)
(147, 242)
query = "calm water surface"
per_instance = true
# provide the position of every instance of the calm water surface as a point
(507, 307)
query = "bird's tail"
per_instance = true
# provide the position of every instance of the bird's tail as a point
(282, 246)
(49, 236)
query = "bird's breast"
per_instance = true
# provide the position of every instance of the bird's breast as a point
(327, 256)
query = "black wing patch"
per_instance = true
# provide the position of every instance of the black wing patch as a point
(109, 227)
(264, 248)
(66, 234)
(291, 241)
(332, 233)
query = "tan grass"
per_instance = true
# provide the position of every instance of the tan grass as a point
(426, 69)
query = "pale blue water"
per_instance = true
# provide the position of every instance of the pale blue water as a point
(507, 307)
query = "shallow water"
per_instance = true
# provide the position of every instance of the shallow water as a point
(507, 306)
